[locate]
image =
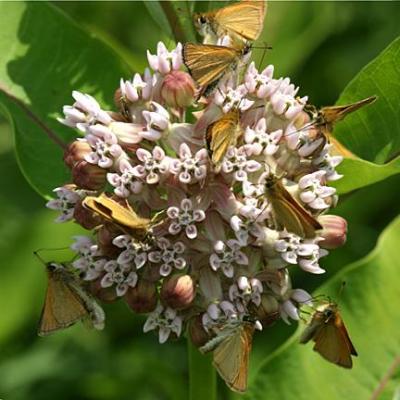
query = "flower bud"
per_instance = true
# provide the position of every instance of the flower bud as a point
(107, 295)
(268, 311)
(88, 176)
(178, 89)
(197, 333)
(84, 217)
(334, 231)
(143, 297)
(105, 237)
(178, 291)
(76, 152)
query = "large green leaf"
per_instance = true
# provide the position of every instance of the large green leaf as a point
(369, 306)
(43, 57)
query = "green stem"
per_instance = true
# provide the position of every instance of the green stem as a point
(202, 376)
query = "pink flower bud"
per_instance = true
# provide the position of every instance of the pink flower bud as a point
(268, 310)
(88, 176)
(178, 89)
(197, 333)
(143, 297)
(105, 237)
(334, 231)
(106, 295)
(178, 291)
(84, 217)
(76, 152)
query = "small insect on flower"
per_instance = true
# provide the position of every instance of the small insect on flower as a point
(330, 335)
(325, 119)
(67, 302)
(231, 353)
(114, 212)
(288, 213)
(243, 20)
(222, 134)
(208, 64)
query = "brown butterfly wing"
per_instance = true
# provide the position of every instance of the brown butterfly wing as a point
(222, 134)
(62, 307)
(208, 63)
(245, 19)
(231, 358)
(333, 343)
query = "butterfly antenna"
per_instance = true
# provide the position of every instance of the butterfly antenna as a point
(39, 257)
(262, 57)
(342, 286)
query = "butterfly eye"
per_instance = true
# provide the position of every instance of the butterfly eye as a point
(202, 20)
(52, 267)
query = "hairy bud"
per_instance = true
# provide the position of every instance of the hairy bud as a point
(105, 237)
(84, 217)
(107, 295)
(178, 89)
(143, 297)
(88, 176)
(76, 152)
(178, 291)
(334, 231)
(197, 333)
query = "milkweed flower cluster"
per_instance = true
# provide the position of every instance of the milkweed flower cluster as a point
(217, 254)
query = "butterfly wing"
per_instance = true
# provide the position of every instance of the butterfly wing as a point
(207, 63)
(62, 307)
(222, 134)
(334, 344)
(245, 19)
(231, 357)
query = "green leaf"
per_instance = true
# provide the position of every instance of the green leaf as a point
(373, 133)
(369, 306)
(43, 57)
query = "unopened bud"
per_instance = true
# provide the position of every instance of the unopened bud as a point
(76, 152)
(197, 333)
(178, 291)
(268, 311)
(105, 236)
(107, 295)
(84, 217)
(88, 176)
(178, 89)
(143, 297)
(334, 231)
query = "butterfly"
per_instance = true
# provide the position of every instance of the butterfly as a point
(326, 117)
(67, 302)
(243, 21)
(287, 211)
(231, 353)
(222, 134)
(114, 212)
(330, 335)
(208, 64)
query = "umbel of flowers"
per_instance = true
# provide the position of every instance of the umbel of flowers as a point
(217, 253)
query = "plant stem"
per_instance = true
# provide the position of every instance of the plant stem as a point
(202, 376)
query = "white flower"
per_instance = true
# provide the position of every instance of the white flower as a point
(153, 165)
(328, 163)
(157, 122)
(295, 250)
(105, 150)
(168, 255)
(236, 162)
(219, 314)
(313, 192)
(261, 84)
(84, 112)
(185, 218)
(90, 264)
(133, 251)
(261, 141)
(67, 198)
(165, 61)
(127, 182)
(166, 320)
(132, 90)
(120, 275)
(190, 168)
(245, 291)
(227, 255)
(229, 98)
(295, 298)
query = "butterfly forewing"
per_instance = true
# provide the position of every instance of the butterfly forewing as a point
(222, 134)
(231, 357)
(208, 63)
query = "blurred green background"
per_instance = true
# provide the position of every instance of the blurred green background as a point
(321, 46)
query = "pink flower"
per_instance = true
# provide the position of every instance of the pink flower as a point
(127, 181)
(153, 165)
(313, 192)
(165, 61)
(261, 141)
(157, 122)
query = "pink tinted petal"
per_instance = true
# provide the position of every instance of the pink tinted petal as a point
(291, 310)
(199, 215)
(152, 178)
(241, 258)
(165, 269)
(215, 262)
(173, 212)
(143, 154)
(191, 231)
(180, 263)
(184, 151)
(158, 153)
(174, 228)
(151, 135)
(186, 205)
(228, 270)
